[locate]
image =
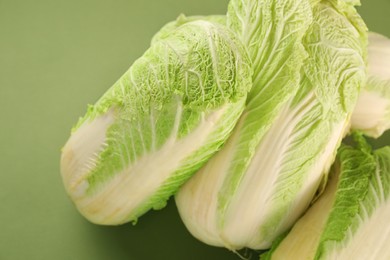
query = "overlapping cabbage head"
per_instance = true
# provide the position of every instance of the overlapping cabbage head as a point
(159, 123)
(372, 112)
(350, 220)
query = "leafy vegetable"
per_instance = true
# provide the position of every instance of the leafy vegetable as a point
(257, 101)
(372, 111)
(308, 61)
(350, 220)
(158, 124)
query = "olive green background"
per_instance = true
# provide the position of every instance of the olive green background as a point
(55, 58)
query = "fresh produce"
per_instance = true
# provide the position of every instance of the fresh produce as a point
(240, 116)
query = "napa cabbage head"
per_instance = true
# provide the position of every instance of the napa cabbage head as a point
(158, 124)
(350, 219)
(372, 112)
(308, 60)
